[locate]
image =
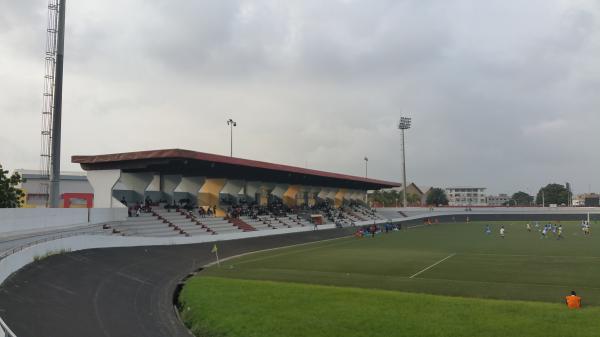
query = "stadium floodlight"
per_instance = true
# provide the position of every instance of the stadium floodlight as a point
(404, 124)
(366, 176)
(231, 124)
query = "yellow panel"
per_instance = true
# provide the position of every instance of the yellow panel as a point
(209, 194)
(289, 197)
(264, 196)
(339, 197)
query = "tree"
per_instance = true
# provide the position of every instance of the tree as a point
(521, 199)
(552, 194)
(437, 196)
(413, 199)
(10, 195)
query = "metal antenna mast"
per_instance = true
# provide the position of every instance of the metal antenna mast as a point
(52, 99)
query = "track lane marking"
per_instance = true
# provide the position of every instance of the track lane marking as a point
(433, 265)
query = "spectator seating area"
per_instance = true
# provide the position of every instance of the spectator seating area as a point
(160, 222)
(366, 213)
(265, 222)
(146, 224)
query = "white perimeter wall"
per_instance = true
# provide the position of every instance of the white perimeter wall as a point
(25, 220)
(16, 261)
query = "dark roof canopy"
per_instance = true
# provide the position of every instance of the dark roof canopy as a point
(190, 163)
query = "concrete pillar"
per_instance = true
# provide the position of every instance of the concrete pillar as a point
(136, 182)
(279, 190)
(332, 193)
(290, 195)
(312, 195)
(355, 195)
(154, 185)
(233, 189)
(102, 182)
(168, 185)
(265, 191)
(339, 197)
(323, 193)
(209, 194)
(252, 189)
(189, 187)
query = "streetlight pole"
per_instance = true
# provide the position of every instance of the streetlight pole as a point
(404, 125)
(231, 124)
(543, 199)
(366, 176)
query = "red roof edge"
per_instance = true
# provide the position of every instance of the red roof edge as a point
(187, 154)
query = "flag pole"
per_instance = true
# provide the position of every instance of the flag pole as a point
(215, 250)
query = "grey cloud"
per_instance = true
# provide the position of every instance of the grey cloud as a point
(502, 93)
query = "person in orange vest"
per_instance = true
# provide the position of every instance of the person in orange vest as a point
(573, 301)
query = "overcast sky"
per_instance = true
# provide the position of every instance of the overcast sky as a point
(503, 93)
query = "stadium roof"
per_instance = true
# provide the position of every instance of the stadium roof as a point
(191, 163)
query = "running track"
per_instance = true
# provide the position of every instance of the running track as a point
(117, 292)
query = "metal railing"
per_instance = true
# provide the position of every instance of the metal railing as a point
(6, 330)
(28, 244)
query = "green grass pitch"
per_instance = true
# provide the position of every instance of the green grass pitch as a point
(440, 280)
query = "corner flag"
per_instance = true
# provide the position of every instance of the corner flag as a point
(215, 250)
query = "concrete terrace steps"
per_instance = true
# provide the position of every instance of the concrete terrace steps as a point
(257, 224)
(243, 225)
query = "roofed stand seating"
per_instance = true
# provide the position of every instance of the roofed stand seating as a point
(219, 225)
(266, 222)
(366, 213)
(184, 222)
(147, 224)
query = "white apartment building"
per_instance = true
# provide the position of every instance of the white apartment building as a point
(498, 200)
(466, 196)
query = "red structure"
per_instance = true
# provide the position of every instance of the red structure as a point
(88, 197)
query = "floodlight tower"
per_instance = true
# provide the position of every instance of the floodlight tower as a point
(231, 124)
(404, 124)
(366, 176)
(52, 97)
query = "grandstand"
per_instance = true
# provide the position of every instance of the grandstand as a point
(193, 193)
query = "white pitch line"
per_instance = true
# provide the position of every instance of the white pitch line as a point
(433, 265)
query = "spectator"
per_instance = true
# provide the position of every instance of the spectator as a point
(573, 301)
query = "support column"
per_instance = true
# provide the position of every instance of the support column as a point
(168, 185)
(323, 193)
(332, 193)
(136, 182)
(312, 195)
(252, 189)
(209, 194)
(339, 197)
(190, 186)
(265, 192)
(153, 190)
(233, 189)
(289, 197)
(102, 182)
(279, 191)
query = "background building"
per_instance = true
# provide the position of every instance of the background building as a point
(587, 200)
(36, 186)
(498, 200)
(466, 196)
